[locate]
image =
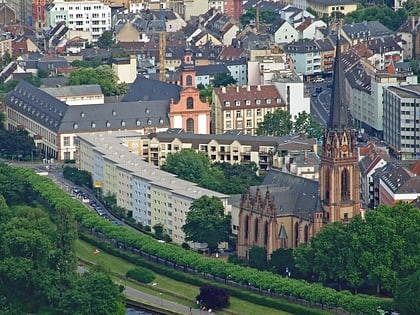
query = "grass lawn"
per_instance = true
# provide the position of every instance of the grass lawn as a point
(183, 293)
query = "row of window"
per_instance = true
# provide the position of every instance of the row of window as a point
(238, 114)
(257, 102)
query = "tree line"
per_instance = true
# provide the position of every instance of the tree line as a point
(37, 257)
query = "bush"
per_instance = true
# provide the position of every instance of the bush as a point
(213, 297)
(140, 274)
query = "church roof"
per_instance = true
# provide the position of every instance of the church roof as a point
(338, 112)
(293, 195)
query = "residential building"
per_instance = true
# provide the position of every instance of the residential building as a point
(125, 68)
(238, 69)
(410, 37)
(283, 32)
(5, 44)
(399, 184)
(205, 74)
(231, 147)
(243, 108)
(194, 8)
(292, 89)
(151, 195)
(364, 31)
(189, 113)
(305, 57)
(232, 8)
(331, 7)
(263, 62)
(307, 28)
(92, 16)
(401, 120)
(38, 13)
(371, 160)
(90, 94)
(23, 11)
(7, 14)
(54, 124)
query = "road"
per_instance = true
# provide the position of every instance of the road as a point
(320, 104)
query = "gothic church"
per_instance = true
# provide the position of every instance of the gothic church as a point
(292, 209)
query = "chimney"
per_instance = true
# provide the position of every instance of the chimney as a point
(224, 89)
(237, 89)
(248, 88)
(258, 87)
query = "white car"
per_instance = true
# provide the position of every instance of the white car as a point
(319, 80)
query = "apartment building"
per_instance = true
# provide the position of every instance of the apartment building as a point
(402, 120)
(331, 7)
(305, 57)
(153, 196)
(243, 108)
(231, 147)
(92, 16)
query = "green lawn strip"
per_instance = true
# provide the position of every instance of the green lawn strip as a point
(175, 291)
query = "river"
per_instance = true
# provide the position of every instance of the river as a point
(133, 311)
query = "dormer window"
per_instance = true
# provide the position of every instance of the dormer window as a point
(247, 102)
(258, 101)
(268, 100)
(108, 124)
(237, 103)
(227, 103)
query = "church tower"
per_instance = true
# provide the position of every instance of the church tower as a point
(339, 173)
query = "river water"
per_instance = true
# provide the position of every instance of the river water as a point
(132, 311)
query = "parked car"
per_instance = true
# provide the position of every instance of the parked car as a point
(319, 80)
(318, 89)
(314, 94)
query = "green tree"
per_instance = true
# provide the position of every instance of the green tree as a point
(102, 75)
(407, 294)
(412, 7)
(305, 123)
(277, 123)
(42, 73)
(187, 164)
(206, 93)
(106, 40)
(223, 79)
(213, 297)
(388, 17)
(239, 176)
(94, 292)
(266, 16)
(206, 222)
(34, 80)
(258, 258)
(158, 230)
(281, 259)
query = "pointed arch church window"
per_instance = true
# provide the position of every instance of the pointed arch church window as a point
(190, 103)
(345, 185)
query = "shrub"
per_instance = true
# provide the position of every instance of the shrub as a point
(213, 297)
(140, 274)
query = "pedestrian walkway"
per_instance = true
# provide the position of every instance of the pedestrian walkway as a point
(160, 301)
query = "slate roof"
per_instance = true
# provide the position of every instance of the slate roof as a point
(37, 104)
(54, 81)
(301, 47)
(401, 181)
(371, 29)
(278, 23)
(60, 117)
(333, 2)
(143, 89)
(73, 90)
(211, 69)
(385, 44)
(227, 138)
(293, 195)
(48, 63)
(121, 115)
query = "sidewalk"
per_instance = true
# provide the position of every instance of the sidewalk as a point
(159, 301)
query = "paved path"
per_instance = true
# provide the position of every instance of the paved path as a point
(159, 300)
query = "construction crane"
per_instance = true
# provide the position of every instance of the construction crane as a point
(162, 46)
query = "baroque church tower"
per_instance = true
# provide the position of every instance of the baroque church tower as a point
(339, 176)
(189, 112)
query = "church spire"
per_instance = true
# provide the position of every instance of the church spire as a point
(338, 110)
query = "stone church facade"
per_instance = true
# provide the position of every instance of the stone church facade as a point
(292, 210)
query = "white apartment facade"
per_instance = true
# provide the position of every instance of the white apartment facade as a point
(92, 16)
(151, 195)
